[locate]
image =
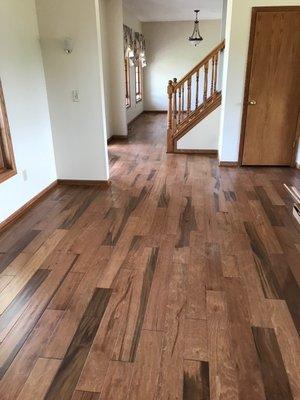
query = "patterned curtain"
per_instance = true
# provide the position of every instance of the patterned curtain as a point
(134, 47)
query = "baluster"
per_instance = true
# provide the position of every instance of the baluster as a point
(212, 75)
(175, 114)
(205, 83)
(197, 90)
(170, 118)
(189, 96)
(216, 73)
(183, 111)
(179, 105)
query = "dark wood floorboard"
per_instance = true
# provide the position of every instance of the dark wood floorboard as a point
(180, 281)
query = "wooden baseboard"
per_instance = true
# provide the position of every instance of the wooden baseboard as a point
(74, 182)
(116, 137)
(155, 112)
(202, 152)
(31, 203)
(230, 164)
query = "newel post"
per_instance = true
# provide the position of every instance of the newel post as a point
(170, 117)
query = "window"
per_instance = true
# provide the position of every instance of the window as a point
(7, 162)
(127, 83)
(138, 83)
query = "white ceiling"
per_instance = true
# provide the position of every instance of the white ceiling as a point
(174, 10)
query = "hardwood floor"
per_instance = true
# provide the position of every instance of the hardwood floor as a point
(180, 281)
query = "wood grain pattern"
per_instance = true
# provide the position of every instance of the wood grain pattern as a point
(275, 378)
(196, 381)
(270, 124)
(154, 288)
(66, 378)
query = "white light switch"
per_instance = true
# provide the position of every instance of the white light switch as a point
(24, 175)
(75, 96)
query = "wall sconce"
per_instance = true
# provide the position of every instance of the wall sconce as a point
(68, 45)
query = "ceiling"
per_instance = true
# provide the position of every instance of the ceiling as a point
(174, 10)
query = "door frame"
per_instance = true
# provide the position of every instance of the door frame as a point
(254, 13)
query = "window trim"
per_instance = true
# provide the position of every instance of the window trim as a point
(8, 167)
(127, 83)
(138, 95)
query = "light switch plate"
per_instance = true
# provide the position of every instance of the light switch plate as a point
(75, 96)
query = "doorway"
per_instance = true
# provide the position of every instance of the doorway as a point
(270, 125)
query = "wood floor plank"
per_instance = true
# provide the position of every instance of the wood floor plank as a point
(223, 373)
(275, 378)
(16, 249)
(16, 337)
(196, 380)
(148, 359)
(29, 269)
(128, 339)
(66, 378)
(39, 379)
(26, 358)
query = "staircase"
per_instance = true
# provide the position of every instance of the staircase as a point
(194, 97)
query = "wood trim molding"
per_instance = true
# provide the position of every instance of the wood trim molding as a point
(230, 164)
(255, 11)
(74, 182)
(203, 152)
(7, 159)
(155, 112)
(116, 137)
(26, 207)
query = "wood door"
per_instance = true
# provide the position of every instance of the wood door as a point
(272, 94)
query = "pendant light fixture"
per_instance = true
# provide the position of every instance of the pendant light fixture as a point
(196, 37)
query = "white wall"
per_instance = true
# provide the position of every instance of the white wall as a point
(136, 108)
(204, 136)
(79, 129)
(235, 60)
(170, 55)
(114, 70)
(22, 74)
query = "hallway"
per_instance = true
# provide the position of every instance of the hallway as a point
(180, 281)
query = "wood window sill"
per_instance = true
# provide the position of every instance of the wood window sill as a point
(6, 174)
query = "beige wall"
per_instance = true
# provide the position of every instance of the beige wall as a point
(136, 108)
(170, 55)
(22, 75)
(235, 60)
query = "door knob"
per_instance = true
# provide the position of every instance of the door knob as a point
(252, 102)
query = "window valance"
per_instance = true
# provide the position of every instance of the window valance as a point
(134, 47)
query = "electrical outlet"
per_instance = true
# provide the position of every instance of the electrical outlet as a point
(75, 96)
(24, 175)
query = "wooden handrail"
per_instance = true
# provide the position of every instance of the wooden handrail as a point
(216, 50)
(195, 94)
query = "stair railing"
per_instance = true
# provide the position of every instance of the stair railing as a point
(196, 91)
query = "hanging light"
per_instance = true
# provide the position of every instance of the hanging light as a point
(196, 37)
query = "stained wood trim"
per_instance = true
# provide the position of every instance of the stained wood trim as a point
(31, 203)
(198, 151)
(116, 137)
(218, 48)
(155, 112)
(255, 11)
(228, 164)
(74, 182)
(6, 147)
